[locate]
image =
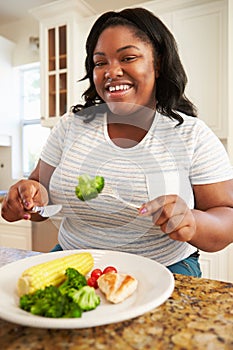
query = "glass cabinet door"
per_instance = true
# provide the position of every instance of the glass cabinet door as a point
(57, 71)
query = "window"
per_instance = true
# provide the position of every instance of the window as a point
(33, 134)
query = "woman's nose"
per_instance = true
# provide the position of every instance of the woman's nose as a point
(113, 71)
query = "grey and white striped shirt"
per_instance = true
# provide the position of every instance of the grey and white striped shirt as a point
(169, 160)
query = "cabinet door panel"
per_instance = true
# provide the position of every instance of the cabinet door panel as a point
(62, 47)
(51, 49)
(56, 85)
(15, 237)
(201, 35)
(216, 265)
(52, 95)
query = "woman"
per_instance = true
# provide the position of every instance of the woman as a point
(139, 131)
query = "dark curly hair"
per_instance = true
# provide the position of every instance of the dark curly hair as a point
(170, 84)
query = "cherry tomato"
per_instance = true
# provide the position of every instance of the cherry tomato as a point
(96, 273)
(92, 282)
(110, 269)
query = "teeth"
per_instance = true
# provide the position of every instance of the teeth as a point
(118, 88)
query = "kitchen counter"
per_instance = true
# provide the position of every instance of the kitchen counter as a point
(198, 315)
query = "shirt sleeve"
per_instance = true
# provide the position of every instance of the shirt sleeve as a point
(210, 163)
(54, 146)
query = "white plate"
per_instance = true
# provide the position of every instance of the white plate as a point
(155, 285)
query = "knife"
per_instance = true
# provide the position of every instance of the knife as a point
(47, 210)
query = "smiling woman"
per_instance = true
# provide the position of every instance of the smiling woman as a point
(138, 131)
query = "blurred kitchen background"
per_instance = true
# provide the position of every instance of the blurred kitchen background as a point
(42, 52)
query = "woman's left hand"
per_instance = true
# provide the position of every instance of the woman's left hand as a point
(172, 214)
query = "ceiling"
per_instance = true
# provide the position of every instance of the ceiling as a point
(13, 10)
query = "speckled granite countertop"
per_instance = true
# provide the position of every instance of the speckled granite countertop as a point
(198, 315)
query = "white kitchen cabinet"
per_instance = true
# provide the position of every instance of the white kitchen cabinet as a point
(200, 29)
(16, 234)
(201, 33)
(61, 55)
(217, 265)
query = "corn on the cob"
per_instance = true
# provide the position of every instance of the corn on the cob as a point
(53, 272)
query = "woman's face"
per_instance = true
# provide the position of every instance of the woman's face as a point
(124, 73)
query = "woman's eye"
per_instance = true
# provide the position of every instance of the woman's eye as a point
(129, 58)
(99, 64)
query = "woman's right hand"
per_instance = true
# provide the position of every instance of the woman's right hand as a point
(21, 198)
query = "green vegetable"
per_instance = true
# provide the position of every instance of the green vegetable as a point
(89, 188)
(86, 298)
(68, 300)
(74, 279)
(72, 310)
(50, 302)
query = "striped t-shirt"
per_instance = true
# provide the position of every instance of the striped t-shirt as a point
(169, 160)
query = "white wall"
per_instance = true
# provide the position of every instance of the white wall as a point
(14, 51)
(19, 32)
(9, 117)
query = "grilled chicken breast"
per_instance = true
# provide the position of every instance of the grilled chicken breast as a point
(117, 286)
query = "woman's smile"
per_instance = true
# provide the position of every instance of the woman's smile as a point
(117, 91)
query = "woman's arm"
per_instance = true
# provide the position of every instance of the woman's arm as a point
(213, 216)
(42, 173)
(24, 194)
(208, 227)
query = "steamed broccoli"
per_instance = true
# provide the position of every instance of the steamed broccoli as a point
(72, 310)
(89, 188)
(68, 300)
(50, 302)
(86, 298)
(74, 279)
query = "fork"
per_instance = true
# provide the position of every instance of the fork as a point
(115, 195)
